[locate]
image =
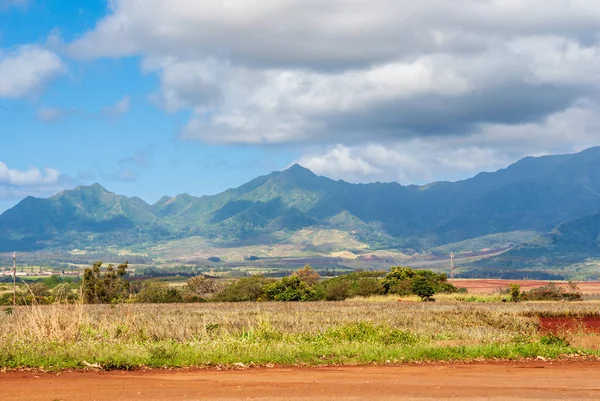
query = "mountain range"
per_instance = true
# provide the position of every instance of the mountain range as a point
(556, 197)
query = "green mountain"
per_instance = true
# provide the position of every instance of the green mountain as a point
(532, 195)
(568, 244)
(83, 215)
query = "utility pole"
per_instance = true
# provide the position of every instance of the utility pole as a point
(452, 266)
(14, 279)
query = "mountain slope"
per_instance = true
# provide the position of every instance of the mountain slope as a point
(534, 194)
(72, 215)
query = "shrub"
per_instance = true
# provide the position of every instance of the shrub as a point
(515, 292)
(336, 290)
(198, 288)
(400, 281)
(63, 293)
(289, 289)
(350, 285)
(243, 289)
(158, 292)
(551, 292)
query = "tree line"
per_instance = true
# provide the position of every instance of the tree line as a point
(110, 284)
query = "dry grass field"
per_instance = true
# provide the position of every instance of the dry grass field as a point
(314, 333)
(485, 286)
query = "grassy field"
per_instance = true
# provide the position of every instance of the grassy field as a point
(129, 336)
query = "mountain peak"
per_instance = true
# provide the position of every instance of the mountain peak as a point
(298, 170)
(94, 187)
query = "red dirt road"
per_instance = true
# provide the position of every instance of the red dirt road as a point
(500, 381)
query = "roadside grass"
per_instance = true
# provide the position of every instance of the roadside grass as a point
(129, 336)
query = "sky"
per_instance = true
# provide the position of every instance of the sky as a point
(160, 97)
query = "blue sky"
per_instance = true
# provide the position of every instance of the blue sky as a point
(136, 153)
(157, 97)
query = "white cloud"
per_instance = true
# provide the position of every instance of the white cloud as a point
(316, 32)
(438, 89)
(26, 70)
(422, 160)
(30, 177)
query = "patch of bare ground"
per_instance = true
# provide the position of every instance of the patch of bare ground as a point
(533, 380)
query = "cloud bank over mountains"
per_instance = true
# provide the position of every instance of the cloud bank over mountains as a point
(380, 89)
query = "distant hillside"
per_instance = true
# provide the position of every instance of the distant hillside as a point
(532, 195)
(569, 243)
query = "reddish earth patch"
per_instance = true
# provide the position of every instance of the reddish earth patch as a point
(500, 381)
(563, 324)
(481, 286)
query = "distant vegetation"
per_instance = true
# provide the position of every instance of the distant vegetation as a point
(110, 285)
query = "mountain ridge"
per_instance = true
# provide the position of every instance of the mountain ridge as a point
(532, 194)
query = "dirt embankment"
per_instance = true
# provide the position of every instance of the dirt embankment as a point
(500, 381)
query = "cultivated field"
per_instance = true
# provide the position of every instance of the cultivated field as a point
(310, 333)
(484, 286)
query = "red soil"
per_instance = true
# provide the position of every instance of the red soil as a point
(558, 324)
(526, 380)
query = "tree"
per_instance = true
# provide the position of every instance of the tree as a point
(423, 287)
(289, 289)
(100, 287)
(515, 292)
(398, 280)
(308, 275)
(199, 287)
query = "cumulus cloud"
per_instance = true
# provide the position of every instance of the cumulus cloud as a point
(444, 86)
(16, 184)
(25, 70)
(493, 146)
(31, 176)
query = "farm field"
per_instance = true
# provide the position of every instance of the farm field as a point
(531, 380)
(487, 286)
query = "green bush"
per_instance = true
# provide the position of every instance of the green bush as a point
(356, 284)
(400, 281)
(158, 292)
(247, 289)
(423, 287)
(290, 288)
